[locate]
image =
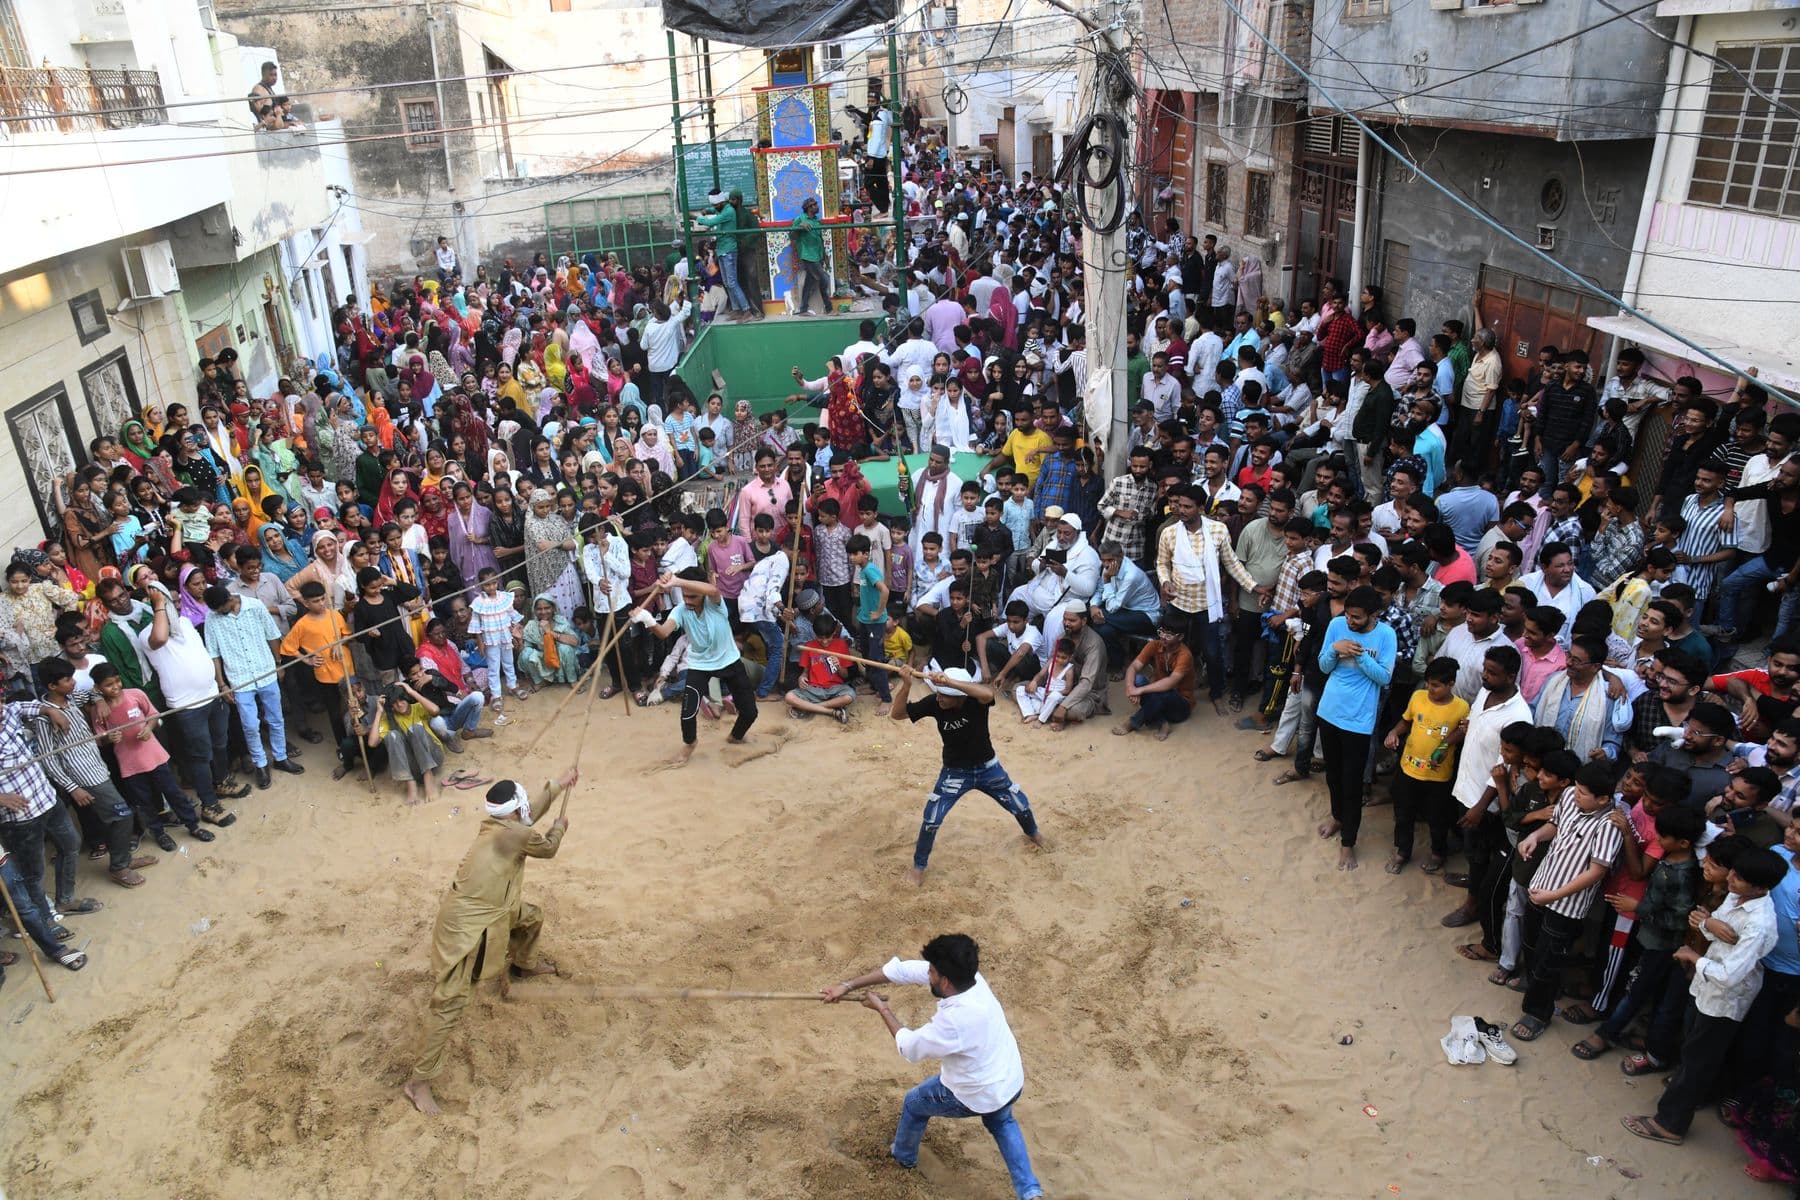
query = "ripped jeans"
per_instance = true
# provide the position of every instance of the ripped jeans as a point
(953, 783)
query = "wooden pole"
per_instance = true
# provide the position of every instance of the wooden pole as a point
(362, 737)
(30, 946)
(595, 992)
(587, 677)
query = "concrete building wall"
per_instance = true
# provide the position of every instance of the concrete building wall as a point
(1603, 84)
(50, 414)
(1511, 178)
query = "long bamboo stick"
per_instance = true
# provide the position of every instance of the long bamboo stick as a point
(598, 992)
(31, 946)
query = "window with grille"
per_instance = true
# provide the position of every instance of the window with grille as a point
(1748, 155)
(1257, 202)
(12, 41)
(1217, 184)
(422, 129)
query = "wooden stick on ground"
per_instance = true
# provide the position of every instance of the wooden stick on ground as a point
(596, 992)
(30, 946)
(362, 735)
(587, 677)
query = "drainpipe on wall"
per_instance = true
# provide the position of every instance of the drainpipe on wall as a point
(437, 76)
(1358, 238)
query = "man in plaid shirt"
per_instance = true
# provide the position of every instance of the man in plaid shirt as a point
(74, 764)
(30, 814)
(1128, 497)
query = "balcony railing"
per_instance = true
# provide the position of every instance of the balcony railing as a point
(66, 99)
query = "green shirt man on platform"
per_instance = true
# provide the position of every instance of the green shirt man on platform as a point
(723, 221)
(807, 237)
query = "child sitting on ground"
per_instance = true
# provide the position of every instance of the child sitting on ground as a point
(1040, 698)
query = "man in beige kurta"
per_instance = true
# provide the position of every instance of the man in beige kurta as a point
(484, 926)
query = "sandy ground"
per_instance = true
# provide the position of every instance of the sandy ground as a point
(248, 1016)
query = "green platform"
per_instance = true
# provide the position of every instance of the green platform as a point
(757, 357)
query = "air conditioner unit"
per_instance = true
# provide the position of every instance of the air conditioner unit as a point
(150, 271)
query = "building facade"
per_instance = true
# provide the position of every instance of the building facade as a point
(1716, 251)
(1550, 144)
(128, 144)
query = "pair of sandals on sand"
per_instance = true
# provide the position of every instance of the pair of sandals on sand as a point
(465, 780)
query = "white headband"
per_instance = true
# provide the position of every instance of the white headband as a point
(520, 803)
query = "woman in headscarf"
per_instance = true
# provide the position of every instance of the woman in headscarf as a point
(584, 346)
(190, 593)
(251, 484)
(461, 360)
(654, 450)
(434, 512)
(1002, 307)
(509, 387)
(582, 398)
(423, 383)
(278, 556)
(87, 530)
(339, 442)
(396, 486)
(153, 422)
(137, 443)
(437, 461)
(506, 528)
(194, 465)
(442, 373)
(551, 544)
(556, 369)
(471, 548)
(551, 652)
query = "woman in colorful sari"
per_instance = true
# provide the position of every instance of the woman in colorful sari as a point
(250, 484)
(556, 367)
(395, 486)
(434, 511)
(278, 556)
(471, 548)
(550, 546)
(137, 443)
(552, 647)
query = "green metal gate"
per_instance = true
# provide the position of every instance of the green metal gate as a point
(639, 227)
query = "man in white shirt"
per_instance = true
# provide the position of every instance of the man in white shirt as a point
(1495, 706)
(865, 343)
(980, 1073)
(446, 260)
(1160, 389)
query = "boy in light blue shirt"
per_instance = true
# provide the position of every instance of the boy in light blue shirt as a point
(1357, 657)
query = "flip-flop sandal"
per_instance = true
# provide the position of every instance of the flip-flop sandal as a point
(1501, 977)
(1432, 865)
(1287, 777)
(458, 775)
(1252, 723)
(1476, 952)
(1236, 704)
(127, 878)
(82, 907)
(1580, 1013)
(1529, 1029)
(1266, 755)
(74, 960)
(1517, 983)
(1642, 1127)
(470, 783)
(8, 958)
(1587, 1051)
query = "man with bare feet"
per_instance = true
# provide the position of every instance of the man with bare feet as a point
(960, 707)
(712, 654)
(484, 926)
(980, 1073)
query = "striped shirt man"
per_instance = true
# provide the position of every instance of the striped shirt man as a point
(1702, 538)
(72, 757)
(1581, 839)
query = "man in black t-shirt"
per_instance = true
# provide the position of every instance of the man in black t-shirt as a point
(960, 707)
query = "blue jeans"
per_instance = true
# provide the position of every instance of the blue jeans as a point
(932, 1099)
(1738, 591)
(35, 920)
(268, 699)
(461, 719)
(869, 639)
(26, 841)
(953, 783)
(1127, 622)
(770, 632)
(728, 266)
(1156, 707)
